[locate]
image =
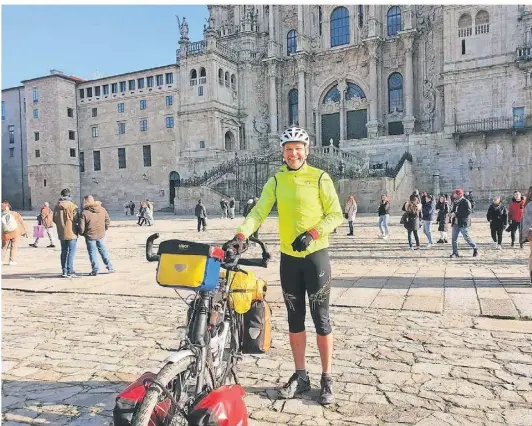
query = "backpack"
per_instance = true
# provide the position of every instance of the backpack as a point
(129, 400)
(9, 222)
(257, 328)
(223, 406)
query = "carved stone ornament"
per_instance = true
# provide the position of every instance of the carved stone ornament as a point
(261, 123)
(356, 103)
(429, 94)
(330, 107)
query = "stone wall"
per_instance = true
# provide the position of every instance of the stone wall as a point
(187, 198)
(367, 191)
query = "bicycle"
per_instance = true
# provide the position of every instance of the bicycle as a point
(209, 352)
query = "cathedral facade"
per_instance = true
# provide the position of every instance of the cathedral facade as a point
(451, 85)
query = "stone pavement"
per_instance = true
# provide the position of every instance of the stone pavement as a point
(413, 341)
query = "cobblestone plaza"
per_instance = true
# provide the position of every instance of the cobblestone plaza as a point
(419, 339)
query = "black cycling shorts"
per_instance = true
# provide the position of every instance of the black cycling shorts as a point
(312, 275)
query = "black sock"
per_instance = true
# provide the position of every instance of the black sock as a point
(302, 374)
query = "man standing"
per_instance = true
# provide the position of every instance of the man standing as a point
(232, 208)
(461, 220)
(224, 207)
(66, 218)
(201, 214)
(309, 210)
(46, 220)
(93, 222)
(131, 207)
(515, 214)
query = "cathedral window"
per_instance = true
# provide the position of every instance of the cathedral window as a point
(226, 79)
(482, 22)
(465, 24)
(353, 92)
(202, 76)
(220, 77)
(233, 82)
(193, 77)
(293, 117)
(395, 93)
(339, 26)
(332, 95)
(291, 42)
(394, 20)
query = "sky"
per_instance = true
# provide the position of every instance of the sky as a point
(86, 40)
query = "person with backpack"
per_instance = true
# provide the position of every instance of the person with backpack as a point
(201, 215)
(461, 221)
(497, 216)
(66, 218)
(12, 229)
(515, 213)
(308, 211)
(45, 219)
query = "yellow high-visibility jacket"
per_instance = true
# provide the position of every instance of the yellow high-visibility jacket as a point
(306, 199)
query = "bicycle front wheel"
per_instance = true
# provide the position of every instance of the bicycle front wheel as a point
(156, 408)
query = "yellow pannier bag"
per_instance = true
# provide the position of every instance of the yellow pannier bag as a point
(244, 289)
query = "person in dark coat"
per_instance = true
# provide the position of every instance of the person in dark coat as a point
(497, 216)
(428, 213)
(461, 221)
(201, 214)
(443, 219)
(412, 220)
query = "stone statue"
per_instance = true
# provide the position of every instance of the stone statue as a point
(183, 27)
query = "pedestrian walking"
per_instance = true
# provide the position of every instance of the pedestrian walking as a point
(350, 212)
(149, 213)
(126, 208)
(46, 220)
(93, 223)
(224, 207)
(201, 215)
(12, 229)
(66, 219)
(142, 214)
(515, 213)
(443, 218)
(461, 221)
(131, 208)
(428, 214)
(469, 197)
(526, 228)
(497, 216)
(232, 207)
(384, 217)
(412, 220)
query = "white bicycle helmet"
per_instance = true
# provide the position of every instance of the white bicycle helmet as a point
(295, 134)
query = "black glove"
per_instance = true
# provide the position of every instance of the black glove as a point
(238, 243)
(302, 241)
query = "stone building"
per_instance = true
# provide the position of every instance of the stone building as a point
(450, 85)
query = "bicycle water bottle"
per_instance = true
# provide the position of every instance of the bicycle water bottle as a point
(199, 329)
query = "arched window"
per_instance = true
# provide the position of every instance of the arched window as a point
(291, 42)
(229, 141)
(395, 93)
(202, 72)
(354, 91)
(226, 79)
(465, 24)
(233, 82)
(360, 16)
(332, 95)
(293, 117)
(339, 26)
(394, 20)
(193, 74)
(482, 22)
(220, 76)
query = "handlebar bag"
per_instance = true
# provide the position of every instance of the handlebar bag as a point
(188, 265)
(257, 335)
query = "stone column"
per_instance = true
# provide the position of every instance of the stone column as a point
(435, 184)
(342, 87)
(301, 91)
(409, 119)
(272, 73)
(300, 28)
(373, 123)
(271, 31)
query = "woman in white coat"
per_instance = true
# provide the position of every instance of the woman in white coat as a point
(350, 212)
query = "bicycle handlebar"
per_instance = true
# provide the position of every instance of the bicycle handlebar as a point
(231, 261)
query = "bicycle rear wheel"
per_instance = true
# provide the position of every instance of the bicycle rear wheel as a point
(156, 409)
(231, 352)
